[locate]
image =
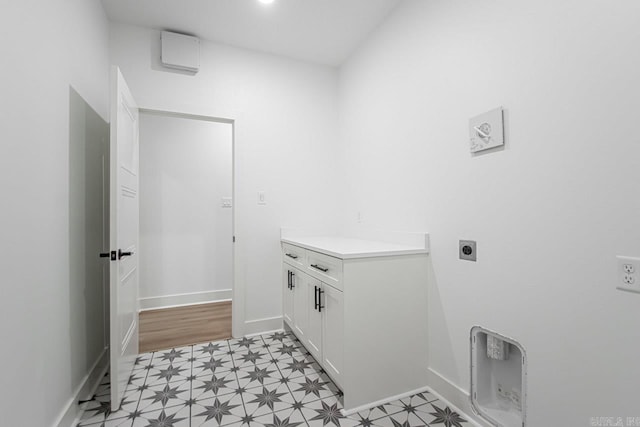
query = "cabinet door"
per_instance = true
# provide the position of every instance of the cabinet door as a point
(301, 305)
(333, 332)
(314, 333)
(287, 295)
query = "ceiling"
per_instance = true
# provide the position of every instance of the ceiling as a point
(320, 31)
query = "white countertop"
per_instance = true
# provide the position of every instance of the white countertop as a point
(349, 248)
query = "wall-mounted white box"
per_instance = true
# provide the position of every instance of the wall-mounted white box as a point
(498, 379)
(486, 130)
(180, 51)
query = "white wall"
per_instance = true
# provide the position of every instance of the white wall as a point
(46, 47)
(549, 212)
(88, 236)
(185, 234)
(285, 135)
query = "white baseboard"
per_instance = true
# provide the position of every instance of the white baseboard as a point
(261, 326)
(383, 401)
(178, 300)
(273, 331)
(454, 396)
(70, 416)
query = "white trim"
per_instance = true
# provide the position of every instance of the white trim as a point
(261, 326)
(383, 401)
(265, 333)
(179, 300)
(232, 116)
(70, 416)
(454, 396)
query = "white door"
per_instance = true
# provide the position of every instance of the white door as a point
(314, 330)
(287, 294)
(123, 236)
(301, 306)
(332, 332)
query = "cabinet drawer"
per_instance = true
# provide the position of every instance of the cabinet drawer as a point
(294, 255)
(325, 268)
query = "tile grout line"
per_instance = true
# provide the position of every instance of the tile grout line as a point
(286, 383)
(144, 383)
(235, 372)
(191, 360)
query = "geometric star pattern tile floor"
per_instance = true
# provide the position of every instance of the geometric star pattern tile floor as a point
(268, 380)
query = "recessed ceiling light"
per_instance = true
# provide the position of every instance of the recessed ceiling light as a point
(266, 1)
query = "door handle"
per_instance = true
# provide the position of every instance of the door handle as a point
(292, 284)
(122, 254)
(315, 297)
(320, 306)
(317, 267)
(111, 255)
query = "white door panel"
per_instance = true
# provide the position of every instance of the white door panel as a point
(289, 276)
(124, 224)
(301, 306)
(314, 330)
(333, 330)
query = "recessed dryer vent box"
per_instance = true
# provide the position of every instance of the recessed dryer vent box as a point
(180, 51)
(498, 378)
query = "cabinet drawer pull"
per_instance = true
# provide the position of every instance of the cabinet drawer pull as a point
(317, 267)
(292, 256)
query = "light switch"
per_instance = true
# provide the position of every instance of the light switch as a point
(261, 198)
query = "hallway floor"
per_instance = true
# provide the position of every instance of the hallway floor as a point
(268, 380)
(185, 325)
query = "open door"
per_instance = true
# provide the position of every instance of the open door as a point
(124, 222)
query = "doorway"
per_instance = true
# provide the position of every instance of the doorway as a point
(186, 229)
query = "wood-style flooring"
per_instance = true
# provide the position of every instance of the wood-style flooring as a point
(179, 326)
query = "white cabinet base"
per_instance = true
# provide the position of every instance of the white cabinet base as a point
(370, 335)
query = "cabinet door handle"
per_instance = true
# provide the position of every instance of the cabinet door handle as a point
(292, 284)
(315, 297)
(317, 267)
(320, 306)
(289, 279)
(292, 256)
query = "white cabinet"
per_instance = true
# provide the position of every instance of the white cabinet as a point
(332, 331)
(294, 256)
(313, 310)
(360, 309)
(314, 333)
(301, 294)
(288, 274)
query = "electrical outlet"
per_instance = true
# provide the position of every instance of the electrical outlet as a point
(467, 250)
(628, 271)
